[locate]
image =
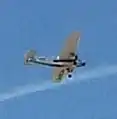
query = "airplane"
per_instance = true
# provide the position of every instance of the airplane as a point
(64, 64)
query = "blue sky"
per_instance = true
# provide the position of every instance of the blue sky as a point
(43, 26)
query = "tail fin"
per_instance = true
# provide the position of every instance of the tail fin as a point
(31, 54)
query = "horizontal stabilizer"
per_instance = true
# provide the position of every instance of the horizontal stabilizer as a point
(30, 55)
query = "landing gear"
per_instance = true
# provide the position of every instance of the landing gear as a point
(70, 72)
(69, 75)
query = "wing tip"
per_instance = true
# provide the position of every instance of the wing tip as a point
(76, 32)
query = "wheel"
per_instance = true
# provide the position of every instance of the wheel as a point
(69, 75)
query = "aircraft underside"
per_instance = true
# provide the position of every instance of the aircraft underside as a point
(64, 64)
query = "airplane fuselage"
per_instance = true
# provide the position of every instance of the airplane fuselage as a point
(56, 62)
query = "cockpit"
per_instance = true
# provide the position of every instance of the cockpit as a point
(57, 57)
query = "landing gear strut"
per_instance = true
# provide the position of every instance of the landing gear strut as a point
(69, 71)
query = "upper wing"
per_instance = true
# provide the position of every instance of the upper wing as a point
(71, 45)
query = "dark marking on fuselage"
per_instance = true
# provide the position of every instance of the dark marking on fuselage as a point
(48, 64)
(63, 60)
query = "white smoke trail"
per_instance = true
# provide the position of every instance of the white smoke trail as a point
(27, 89)
(95, 73)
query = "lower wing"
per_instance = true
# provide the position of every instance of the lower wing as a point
(60, 73)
